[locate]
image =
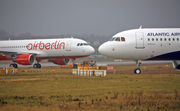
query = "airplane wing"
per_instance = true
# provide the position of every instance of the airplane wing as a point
(11, 53)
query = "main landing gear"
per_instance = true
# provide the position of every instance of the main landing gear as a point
(137, 70)
(13, 65)
(14, 62)
(37, 65)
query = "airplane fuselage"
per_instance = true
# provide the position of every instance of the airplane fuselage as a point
(47, 48)
(144, 44)
(60, 51)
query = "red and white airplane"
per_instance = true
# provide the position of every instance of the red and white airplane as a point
(26, 52)
(144, 44)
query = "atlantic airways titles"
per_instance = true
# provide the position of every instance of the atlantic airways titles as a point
(164, 34)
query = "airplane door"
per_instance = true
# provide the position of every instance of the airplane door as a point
(139, 40)
(68, 46)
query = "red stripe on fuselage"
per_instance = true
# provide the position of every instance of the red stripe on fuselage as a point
(60, 57)
(39, 58)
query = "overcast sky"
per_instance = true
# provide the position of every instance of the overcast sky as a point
(99, 17)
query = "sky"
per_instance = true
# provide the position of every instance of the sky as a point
(98, 17)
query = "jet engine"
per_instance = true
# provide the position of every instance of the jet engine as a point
(25, 59)
(176, 64)
(60, 61)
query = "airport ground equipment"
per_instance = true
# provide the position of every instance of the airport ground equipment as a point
(90, 71)
(85, 63)
(70, 66)
(8, 70)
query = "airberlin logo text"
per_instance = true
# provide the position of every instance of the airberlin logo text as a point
(47, 46)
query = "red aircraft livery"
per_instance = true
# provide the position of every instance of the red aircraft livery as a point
(60, 51)
(47, 46)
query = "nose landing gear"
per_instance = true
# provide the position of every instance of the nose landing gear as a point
(137, 70)
(74, 65)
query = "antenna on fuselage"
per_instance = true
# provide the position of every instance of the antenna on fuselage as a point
(140, 27)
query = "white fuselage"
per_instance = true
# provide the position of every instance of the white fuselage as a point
(47, 48)
(144, 44)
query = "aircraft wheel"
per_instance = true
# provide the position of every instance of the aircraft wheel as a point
(75, 66)
(11, 65)
(137, 71)
(15, 66)
(35, 66)
(178, 67)
(39, 65)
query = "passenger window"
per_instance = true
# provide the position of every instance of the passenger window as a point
(152, 39)
(156, 39)
(169, 39)
(117, 39)
(173, 39)
(123, 39)
(160, 39)
(164, 39)
(177, 39)
(148, 39)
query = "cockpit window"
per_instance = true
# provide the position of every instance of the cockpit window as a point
(112, 39)
(82, 44)
(85, 44)
(122, 39)
(117, 39)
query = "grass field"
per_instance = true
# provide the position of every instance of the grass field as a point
(156, 88)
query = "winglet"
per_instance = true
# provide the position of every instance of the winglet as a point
(140, 27)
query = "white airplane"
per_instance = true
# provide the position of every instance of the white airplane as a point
(144, 44)
(26, 52)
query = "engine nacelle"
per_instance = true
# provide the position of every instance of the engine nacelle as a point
(60, 61)
(176, 64)
(25, 59)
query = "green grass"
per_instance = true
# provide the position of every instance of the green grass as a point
(157, 88)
